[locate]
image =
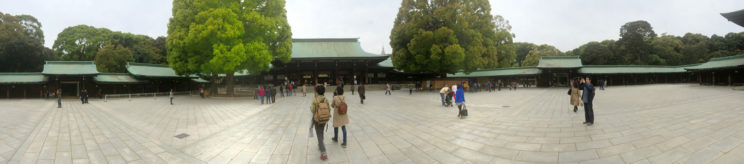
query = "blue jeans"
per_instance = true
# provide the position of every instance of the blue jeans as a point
(262, 101)
(59, 102)
(442, 95)
(335, 133)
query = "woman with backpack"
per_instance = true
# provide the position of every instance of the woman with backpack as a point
(575, 96)
(321, 114)
(340, 119)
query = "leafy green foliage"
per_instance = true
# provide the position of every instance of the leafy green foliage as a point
(21, 44)
(223, 36)
(113, 58)
(640, 45)
(533, 57)
(449, 36)
(83, 42)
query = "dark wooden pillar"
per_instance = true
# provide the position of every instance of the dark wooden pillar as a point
(713, 76)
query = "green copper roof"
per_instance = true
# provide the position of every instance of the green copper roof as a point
(329, 48)
(630, 69)
(559, 62)
(151, 70)
(387, 63)
(22, 78)
(499, 72)
(116, 78)
(720, 62)
(70, 68)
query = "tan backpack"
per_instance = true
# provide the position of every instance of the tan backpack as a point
(323, 112)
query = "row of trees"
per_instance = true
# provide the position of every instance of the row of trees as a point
(22, 46)
(639, 45)
(449, 36)
(109, 49)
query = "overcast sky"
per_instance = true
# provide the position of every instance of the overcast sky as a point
(566, 24)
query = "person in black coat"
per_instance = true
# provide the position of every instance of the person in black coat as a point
(360, 89)
(587, 98)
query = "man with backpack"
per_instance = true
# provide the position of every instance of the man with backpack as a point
(340, 119)
(321, 114)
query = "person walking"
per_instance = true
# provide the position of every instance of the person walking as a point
(304, 90)
(360, 89)
(459, 99)
(171, 96)
(290, 89)
(442, 93)
(59, 98)
(575, 95)
(273, 94)
(201, 92)
(261, 94)
(340, 117)
(281, 90)
(387, 89)
(268, 93)
(321, 114)
(588, 98)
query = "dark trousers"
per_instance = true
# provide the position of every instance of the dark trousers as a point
(589, 112)
(335, 132)
(319, 133)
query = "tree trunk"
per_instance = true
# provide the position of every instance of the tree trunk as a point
(229, 83)
(213, 85)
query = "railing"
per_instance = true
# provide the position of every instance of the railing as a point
(154, 95)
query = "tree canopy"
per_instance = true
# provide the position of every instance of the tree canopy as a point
(113, 58)
(22, 44)
(534, 55)
(224, 36)
(82, 42)
(640, 45)
(449, 36)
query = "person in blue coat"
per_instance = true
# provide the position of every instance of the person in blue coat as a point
(459, 98)
(587, 98)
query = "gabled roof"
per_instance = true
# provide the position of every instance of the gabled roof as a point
(559, 62)
(387, 63)
(116, 78)
(69, 68)
(630, 69)
(735, 16)
(22, 78)
(151, 70)
(720, 63)
(516, 71)
(329, 48)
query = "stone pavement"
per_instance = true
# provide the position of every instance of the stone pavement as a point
(636, 124)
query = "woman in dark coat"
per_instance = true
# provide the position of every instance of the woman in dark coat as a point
(361, 92)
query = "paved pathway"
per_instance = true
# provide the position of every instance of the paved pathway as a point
(638, 124)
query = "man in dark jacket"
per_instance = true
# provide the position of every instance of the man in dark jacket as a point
(587, 98)
(361, 92)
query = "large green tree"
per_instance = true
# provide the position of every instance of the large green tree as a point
(224, 36)
(82, 42)
(522, 49)
(449, 36)
(635, 40)
(533, 57)
(21, 44)
(113, 58)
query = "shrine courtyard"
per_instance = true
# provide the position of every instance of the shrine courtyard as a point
(666, 123)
